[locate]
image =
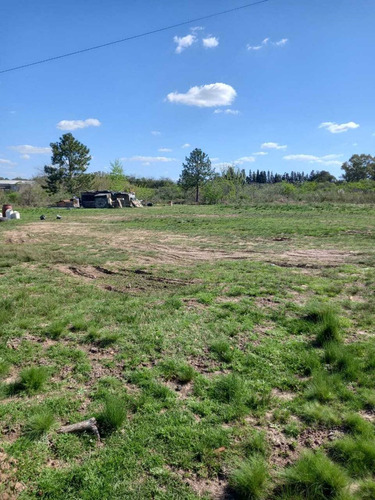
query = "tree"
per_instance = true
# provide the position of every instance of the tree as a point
(117, 176)
(359, 167)
(322, 176)
(196, 171)
(69, 162)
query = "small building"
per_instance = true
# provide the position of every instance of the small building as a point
(13, 185)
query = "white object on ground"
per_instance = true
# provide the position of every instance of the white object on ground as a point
(8, 213)
(15, 215)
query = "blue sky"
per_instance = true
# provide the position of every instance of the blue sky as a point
(284, 85)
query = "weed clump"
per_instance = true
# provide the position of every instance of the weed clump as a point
(112, 415)
(366, 490)
(315, 477)
(38, 425)
(250, 481)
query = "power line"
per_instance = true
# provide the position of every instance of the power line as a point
(133, 37)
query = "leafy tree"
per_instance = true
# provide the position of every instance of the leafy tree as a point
(359, 167)
(196, 171)
(322, 176)
(117, 176)
(69, 162)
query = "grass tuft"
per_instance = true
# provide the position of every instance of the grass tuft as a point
(112, 415)
(223, 350)
(250, 481)
(315, 477)
(38, 425)
(356, 454)
(175, 370)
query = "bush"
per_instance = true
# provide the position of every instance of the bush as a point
(38, 425)
(113, 414)
(250, 481)
(315, 477)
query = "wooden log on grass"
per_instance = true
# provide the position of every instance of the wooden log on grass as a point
(85, 425)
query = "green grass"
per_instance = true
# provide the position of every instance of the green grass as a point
(198, 337)
(250, 481)
(315, 477)
(113, 414)
(39, 424)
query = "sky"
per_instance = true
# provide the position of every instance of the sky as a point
(283, 85)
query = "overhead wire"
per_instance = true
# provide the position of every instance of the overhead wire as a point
(133, 37)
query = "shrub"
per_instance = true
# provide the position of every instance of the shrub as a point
(38, 425)
(357, 454)
(112, 415)
(315, 477)
(250, 481)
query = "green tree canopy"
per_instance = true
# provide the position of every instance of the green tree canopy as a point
(359, 167)
(69, 162)
(196, 171)
(117, 176)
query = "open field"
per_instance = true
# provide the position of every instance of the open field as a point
(226, 353)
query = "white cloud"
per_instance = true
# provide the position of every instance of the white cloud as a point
(165, 150)
(25, 157)
(205, 96)
(149, 159)
(260, 153)
(323, 160)
(26, 149)
(155, 132)
(210, 42)
(239, 161)
(264, 43)
(272, 145)
(281, 42)
(3, 161)
(244, 159)
(184, 42)
(227, 111)
(76, 124)
(186, 145)
(196, 28)
(336, 128)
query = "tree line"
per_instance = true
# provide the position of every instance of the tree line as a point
(67, 173)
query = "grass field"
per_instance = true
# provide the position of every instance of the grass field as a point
(225, 353)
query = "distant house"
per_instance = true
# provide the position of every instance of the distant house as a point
(13, 185)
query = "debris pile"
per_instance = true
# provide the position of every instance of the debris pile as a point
(8, 213)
